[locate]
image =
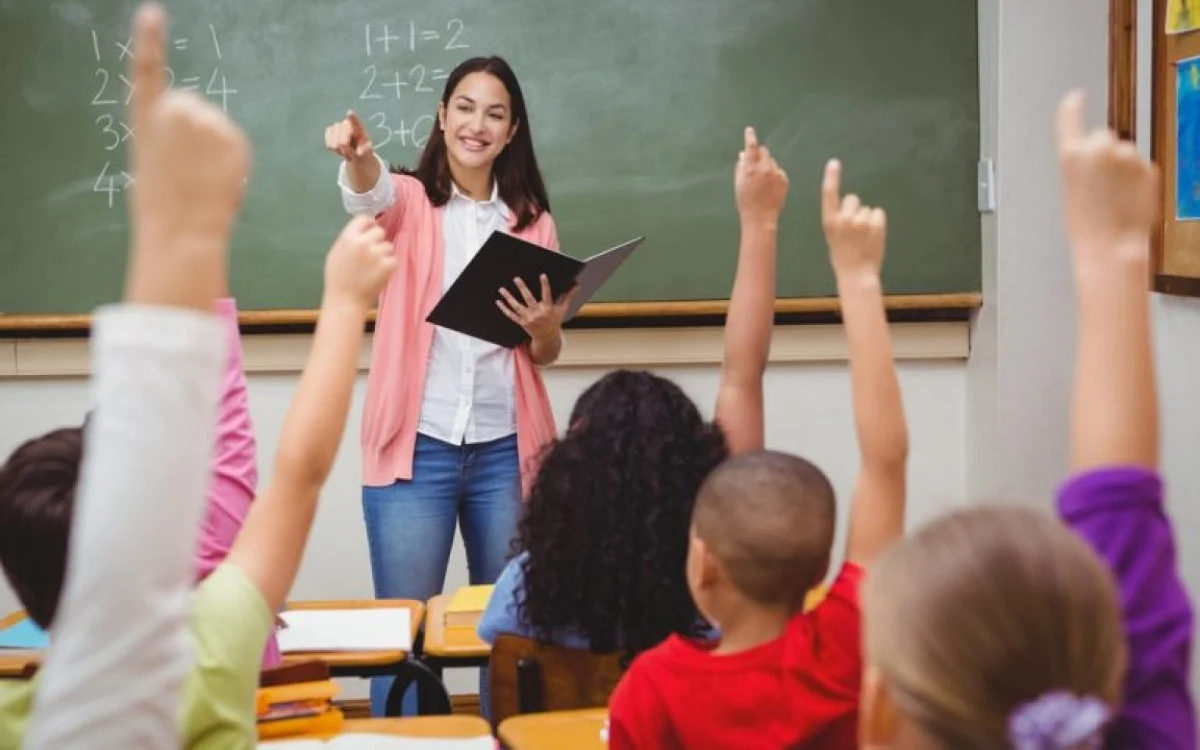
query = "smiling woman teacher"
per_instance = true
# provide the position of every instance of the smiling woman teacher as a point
(450, 420)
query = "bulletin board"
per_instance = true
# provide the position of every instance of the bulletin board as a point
(1176, 144)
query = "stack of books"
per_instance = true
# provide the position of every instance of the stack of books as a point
(297, 701)
(465, 608)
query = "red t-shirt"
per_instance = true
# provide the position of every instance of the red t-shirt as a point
(800, 690)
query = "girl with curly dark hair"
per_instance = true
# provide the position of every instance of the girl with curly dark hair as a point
(603, 544)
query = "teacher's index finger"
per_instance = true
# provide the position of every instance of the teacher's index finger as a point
(146, 69)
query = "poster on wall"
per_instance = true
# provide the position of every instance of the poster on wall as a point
(1187, 140)
(1182, 16)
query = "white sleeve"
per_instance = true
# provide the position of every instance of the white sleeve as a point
(373, 202)
(119, 646)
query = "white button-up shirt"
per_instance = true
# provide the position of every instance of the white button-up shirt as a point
(469, 386)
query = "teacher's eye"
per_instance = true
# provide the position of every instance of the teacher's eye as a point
(464, 108)
(496, 116)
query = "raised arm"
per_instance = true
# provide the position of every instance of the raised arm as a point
(113, 674)
(761, 188)
(856, 234)
(1115, 502)
(1111, 199)
(269, 549)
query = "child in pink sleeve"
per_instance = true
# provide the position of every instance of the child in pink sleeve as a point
(234, 465)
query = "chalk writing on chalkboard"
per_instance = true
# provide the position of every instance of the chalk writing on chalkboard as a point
(113, 92)
(405, 67)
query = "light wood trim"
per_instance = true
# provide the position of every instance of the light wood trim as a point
(593, 311)
(1122, 67)
(358, 658)
(8, 358)
(453, 643)
(594, 348)
(578, 730)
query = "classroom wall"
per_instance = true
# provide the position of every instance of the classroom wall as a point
(1022, 344)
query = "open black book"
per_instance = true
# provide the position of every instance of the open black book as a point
(469, 305)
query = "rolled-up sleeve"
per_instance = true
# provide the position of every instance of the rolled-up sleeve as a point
(375, 201)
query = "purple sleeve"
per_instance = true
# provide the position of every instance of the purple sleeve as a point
(1119, 511)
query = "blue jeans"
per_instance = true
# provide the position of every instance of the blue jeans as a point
(410, 526)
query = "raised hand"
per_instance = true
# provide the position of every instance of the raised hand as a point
(1111, 194)
(760, 185)
(190, 163)
(855, 233)
(359, 263)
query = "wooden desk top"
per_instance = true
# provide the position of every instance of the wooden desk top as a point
(358, 658)
(453, 642)
(444, 727)
(14, 662)
(578, 730)
(422, 726)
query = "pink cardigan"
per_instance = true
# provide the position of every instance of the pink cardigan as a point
(396, 383)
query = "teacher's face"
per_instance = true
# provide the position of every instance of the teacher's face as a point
(477, 121)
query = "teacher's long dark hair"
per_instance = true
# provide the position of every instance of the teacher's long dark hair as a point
(515, 170)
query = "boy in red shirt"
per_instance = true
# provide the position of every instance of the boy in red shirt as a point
(762, 532)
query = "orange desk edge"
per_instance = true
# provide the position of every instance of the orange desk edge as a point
(444, 727)
(453, 642)
(578, 730)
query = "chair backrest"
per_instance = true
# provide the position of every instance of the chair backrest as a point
(525, 676)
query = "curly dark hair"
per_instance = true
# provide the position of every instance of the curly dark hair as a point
(606, 526)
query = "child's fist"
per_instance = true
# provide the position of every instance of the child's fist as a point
(759, 183)
(359, 263)
(1111, 194)
(855, 233)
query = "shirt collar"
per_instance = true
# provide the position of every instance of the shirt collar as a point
(500, 205)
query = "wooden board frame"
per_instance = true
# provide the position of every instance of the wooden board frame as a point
(911, 308)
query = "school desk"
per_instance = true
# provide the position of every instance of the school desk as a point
(17, 663)
(578, 730)
(439, 647)
(450, 647)
(432, 695)
(443, 727)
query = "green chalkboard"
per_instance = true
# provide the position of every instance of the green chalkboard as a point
(637, 109)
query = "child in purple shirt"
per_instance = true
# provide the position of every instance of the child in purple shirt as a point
(1112, 203)
(1119, 511)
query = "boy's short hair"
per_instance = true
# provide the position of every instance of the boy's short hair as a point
(769, 518)
(37, 502)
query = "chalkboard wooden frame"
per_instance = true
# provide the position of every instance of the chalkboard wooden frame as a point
(915, 307)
